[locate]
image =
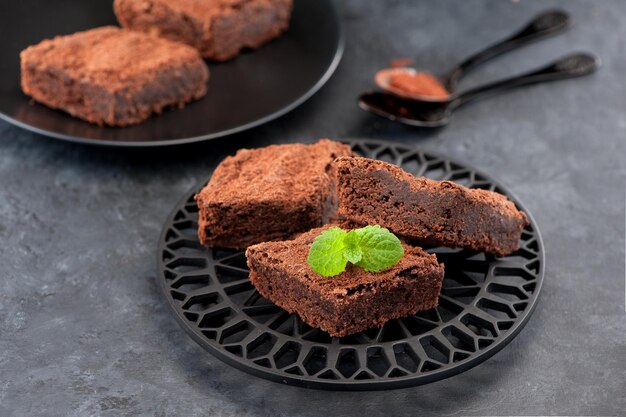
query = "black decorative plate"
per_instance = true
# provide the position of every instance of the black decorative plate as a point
(245, 92)
(484, 303)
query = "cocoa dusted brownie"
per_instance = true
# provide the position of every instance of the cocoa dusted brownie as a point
(219, 29)
(352, 301)
(112, 76)
(268, 193)
(439, 212)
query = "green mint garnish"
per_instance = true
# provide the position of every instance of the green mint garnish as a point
(352, 252)
(381, 248)
(326, 253)
(373, 248)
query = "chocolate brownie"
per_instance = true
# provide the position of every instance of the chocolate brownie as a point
(112, 76)
(268, 193)
(352, 301)
(439, 212)
(219, 29)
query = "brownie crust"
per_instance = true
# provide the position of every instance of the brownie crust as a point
(439, 212)
(268, 193)
(219, 29)
(110, 76)
(348, 303)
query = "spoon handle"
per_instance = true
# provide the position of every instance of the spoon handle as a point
(543, 25)
(570, 66)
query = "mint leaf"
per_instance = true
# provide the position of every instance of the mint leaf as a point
(380, 248)
(353, 255)
(352, 251)
(326, 255)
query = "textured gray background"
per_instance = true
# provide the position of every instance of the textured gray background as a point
(84, 331)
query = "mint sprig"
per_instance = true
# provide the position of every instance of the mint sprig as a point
(373, 248)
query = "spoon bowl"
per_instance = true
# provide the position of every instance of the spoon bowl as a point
(408, 111)
(383, 80)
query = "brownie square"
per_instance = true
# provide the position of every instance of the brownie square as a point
(219, 29)
(112, 76)
(350, 302)
(268, 193)
(439, 212)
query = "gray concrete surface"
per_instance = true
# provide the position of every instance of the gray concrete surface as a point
(84, 331)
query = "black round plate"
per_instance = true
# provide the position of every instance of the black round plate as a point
(252, 89)
(484, 303)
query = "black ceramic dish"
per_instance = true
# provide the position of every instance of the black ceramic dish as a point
(252, 89)
(485, 302)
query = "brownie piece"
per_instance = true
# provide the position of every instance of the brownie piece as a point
(268, 193)
(219, 29)
(439, 212)
(350, 302)
(112, 76)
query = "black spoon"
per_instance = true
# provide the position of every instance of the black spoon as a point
(547, 23)
(434, 114)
